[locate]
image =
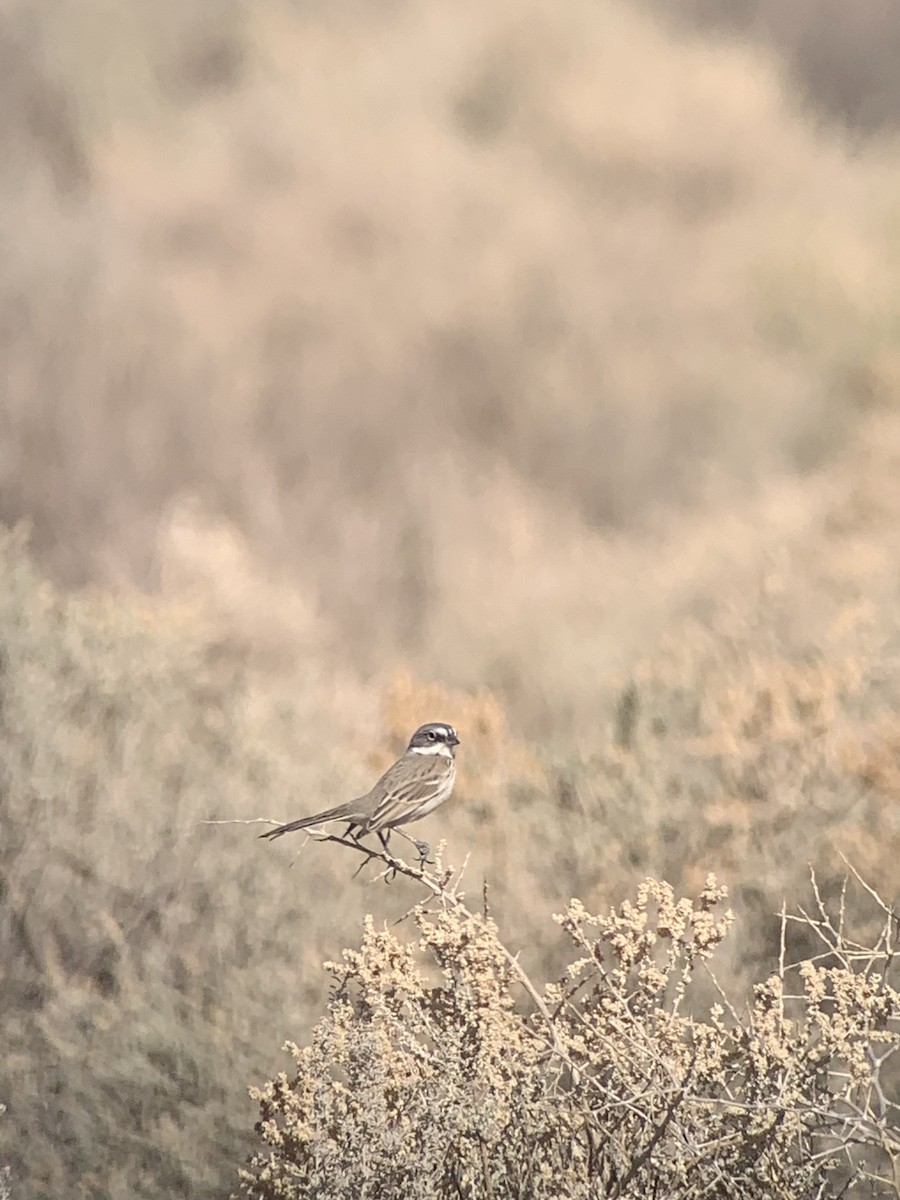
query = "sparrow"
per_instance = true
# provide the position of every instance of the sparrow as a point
(413, 787)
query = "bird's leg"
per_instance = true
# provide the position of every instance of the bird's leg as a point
(384, 836)
(422, 847)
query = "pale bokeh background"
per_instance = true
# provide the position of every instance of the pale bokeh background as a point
(530, 366)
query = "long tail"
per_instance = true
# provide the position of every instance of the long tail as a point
(340, 812)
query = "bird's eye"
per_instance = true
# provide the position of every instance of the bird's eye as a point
(432, 736)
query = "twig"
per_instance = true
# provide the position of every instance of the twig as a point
(885, 908)
(248, 821)
(643, 1156)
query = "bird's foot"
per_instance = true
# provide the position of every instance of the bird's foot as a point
(424, 849)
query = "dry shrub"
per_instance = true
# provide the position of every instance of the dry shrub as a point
(337, 349)
(124, 725)
(442, 1070)
(843, 55)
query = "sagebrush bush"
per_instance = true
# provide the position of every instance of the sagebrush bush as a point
(441, 1070)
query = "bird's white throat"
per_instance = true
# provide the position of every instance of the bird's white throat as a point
(440, 748)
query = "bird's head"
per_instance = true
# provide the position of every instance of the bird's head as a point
(434, 738)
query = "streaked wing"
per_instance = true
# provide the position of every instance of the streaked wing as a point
(412, 788)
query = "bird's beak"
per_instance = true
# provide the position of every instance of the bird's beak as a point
(453, 740)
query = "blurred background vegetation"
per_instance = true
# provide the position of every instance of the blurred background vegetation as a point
(530, 366)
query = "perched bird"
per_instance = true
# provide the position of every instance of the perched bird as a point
(412, 788)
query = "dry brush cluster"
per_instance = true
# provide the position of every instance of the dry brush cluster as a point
(442, 1070)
